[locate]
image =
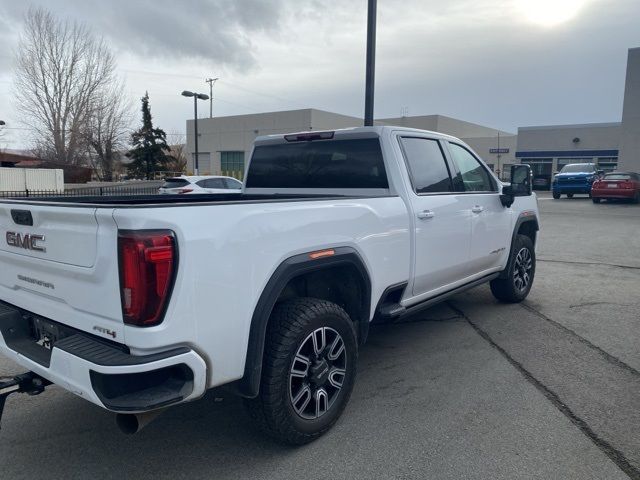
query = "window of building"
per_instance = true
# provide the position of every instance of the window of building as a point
(427, 166)
(475, 178)
(232, 163)
(608, 164)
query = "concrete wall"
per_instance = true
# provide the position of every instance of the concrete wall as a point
(237, 133)
(595, 136)
(630, 132)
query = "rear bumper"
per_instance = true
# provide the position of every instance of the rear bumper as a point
(103, 373)
(613, 193)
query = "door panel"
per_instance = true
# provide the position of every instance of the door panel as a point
(490, 232)
(441, 241)
(442, 225)
(490, 220)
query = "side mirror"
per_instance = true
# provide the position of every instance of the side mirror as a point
(600, 173)
(521, 184)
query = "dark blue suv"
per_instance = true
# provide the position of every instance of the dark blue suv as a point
(574, 178)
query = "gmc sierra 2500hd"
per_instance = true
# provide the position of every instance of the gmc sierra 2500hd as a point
(139, 303)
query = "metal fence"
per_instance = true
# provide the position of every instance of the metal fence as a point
(84, 192)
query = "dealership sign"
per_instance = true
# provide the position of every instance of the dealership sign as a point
(498, 150)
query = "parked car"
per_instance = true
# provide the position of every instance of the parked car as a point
(574, 178)
(200, 184)
(617, 185)
(136, 304)
(541, 182)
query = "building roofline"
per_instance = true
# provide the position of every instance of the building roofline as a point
(568, 126)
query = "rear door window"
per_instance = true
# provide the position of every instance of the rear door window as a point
(349, 163)
(216, 183)
(232, 184)
(175, 183)
(427, 166)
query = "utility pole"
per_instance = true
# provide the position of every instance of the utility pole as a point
(211, 82)
(371, 63)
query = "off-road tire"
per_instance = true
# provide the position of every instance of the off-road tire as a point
(290, 325)
(506, 289)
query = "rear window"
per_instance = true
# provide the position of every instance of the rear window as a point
(355, 163)
(617, 176)
(578, 168)
(175, 183)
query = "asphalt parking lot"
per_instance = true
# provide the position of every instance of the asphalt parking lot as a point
(469, 389)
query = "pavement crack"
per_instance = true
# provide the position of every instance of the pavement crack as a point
(605, 447)
(576, 262)
(607, 356)
(591, 304)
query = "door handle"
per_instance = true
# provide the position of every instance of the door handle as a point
(425, 214)
(477, 209)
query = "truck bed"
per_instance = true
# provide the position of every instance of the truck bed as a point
(170, 200)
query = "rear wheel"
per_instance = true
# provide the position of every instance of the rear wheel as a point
(636, 199)
(308, 371)
(569, 195)
(519, 274)
(556, 195)
(595, 200)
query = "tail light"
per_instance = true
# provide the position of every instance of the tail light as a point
(185, 190)
(148, 261)
(627, 184)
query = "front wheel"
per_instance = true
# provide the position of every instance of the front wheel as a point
(518, 276)
(556, 195)
(595, 200)
(308, 371)
(569, 195)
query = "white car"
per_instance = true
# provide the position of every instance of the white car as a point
(200, 184)
(139, 303)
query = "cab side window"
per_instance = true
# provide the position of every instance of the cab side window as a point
(474, 177)
(427, 167)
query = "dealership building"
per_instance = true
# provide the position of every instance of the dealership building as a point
(224, 143)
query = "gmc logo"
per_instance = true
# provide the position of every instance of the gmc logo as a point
(26, 241)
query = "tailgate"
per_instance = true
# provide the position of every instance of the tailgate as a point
(54, 234)
(60, 262)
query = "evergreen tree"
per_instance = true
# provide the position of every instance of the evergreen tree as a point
(150, 149)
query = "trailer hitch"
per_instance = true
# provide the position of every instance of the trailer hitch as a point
(29, 383)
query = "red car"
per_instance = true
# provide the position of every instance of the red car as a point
(624, 185)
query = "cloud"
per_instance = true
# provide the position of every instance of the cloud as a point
(218, 32)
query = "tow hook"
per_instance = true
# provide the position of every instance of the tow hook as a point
(29, 383)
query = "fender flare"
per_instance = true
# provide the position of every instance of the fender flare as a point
(292, 267)
(524, 217)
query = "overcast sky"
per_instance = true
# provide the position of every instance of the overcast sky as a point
(501, 63)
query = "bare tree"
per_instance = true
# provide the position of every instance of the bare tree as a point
(177, 155)
(107, 128)
(60, 69)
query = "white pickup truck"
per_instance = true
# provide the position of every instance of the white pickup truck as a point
(139, 303)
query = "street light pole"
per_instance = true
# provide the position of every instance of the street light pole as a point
(196, 97)
(371, 64)
(195, 129)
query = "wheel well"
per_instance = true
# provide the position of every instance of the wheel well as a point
(341, 284)
(529, 229)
